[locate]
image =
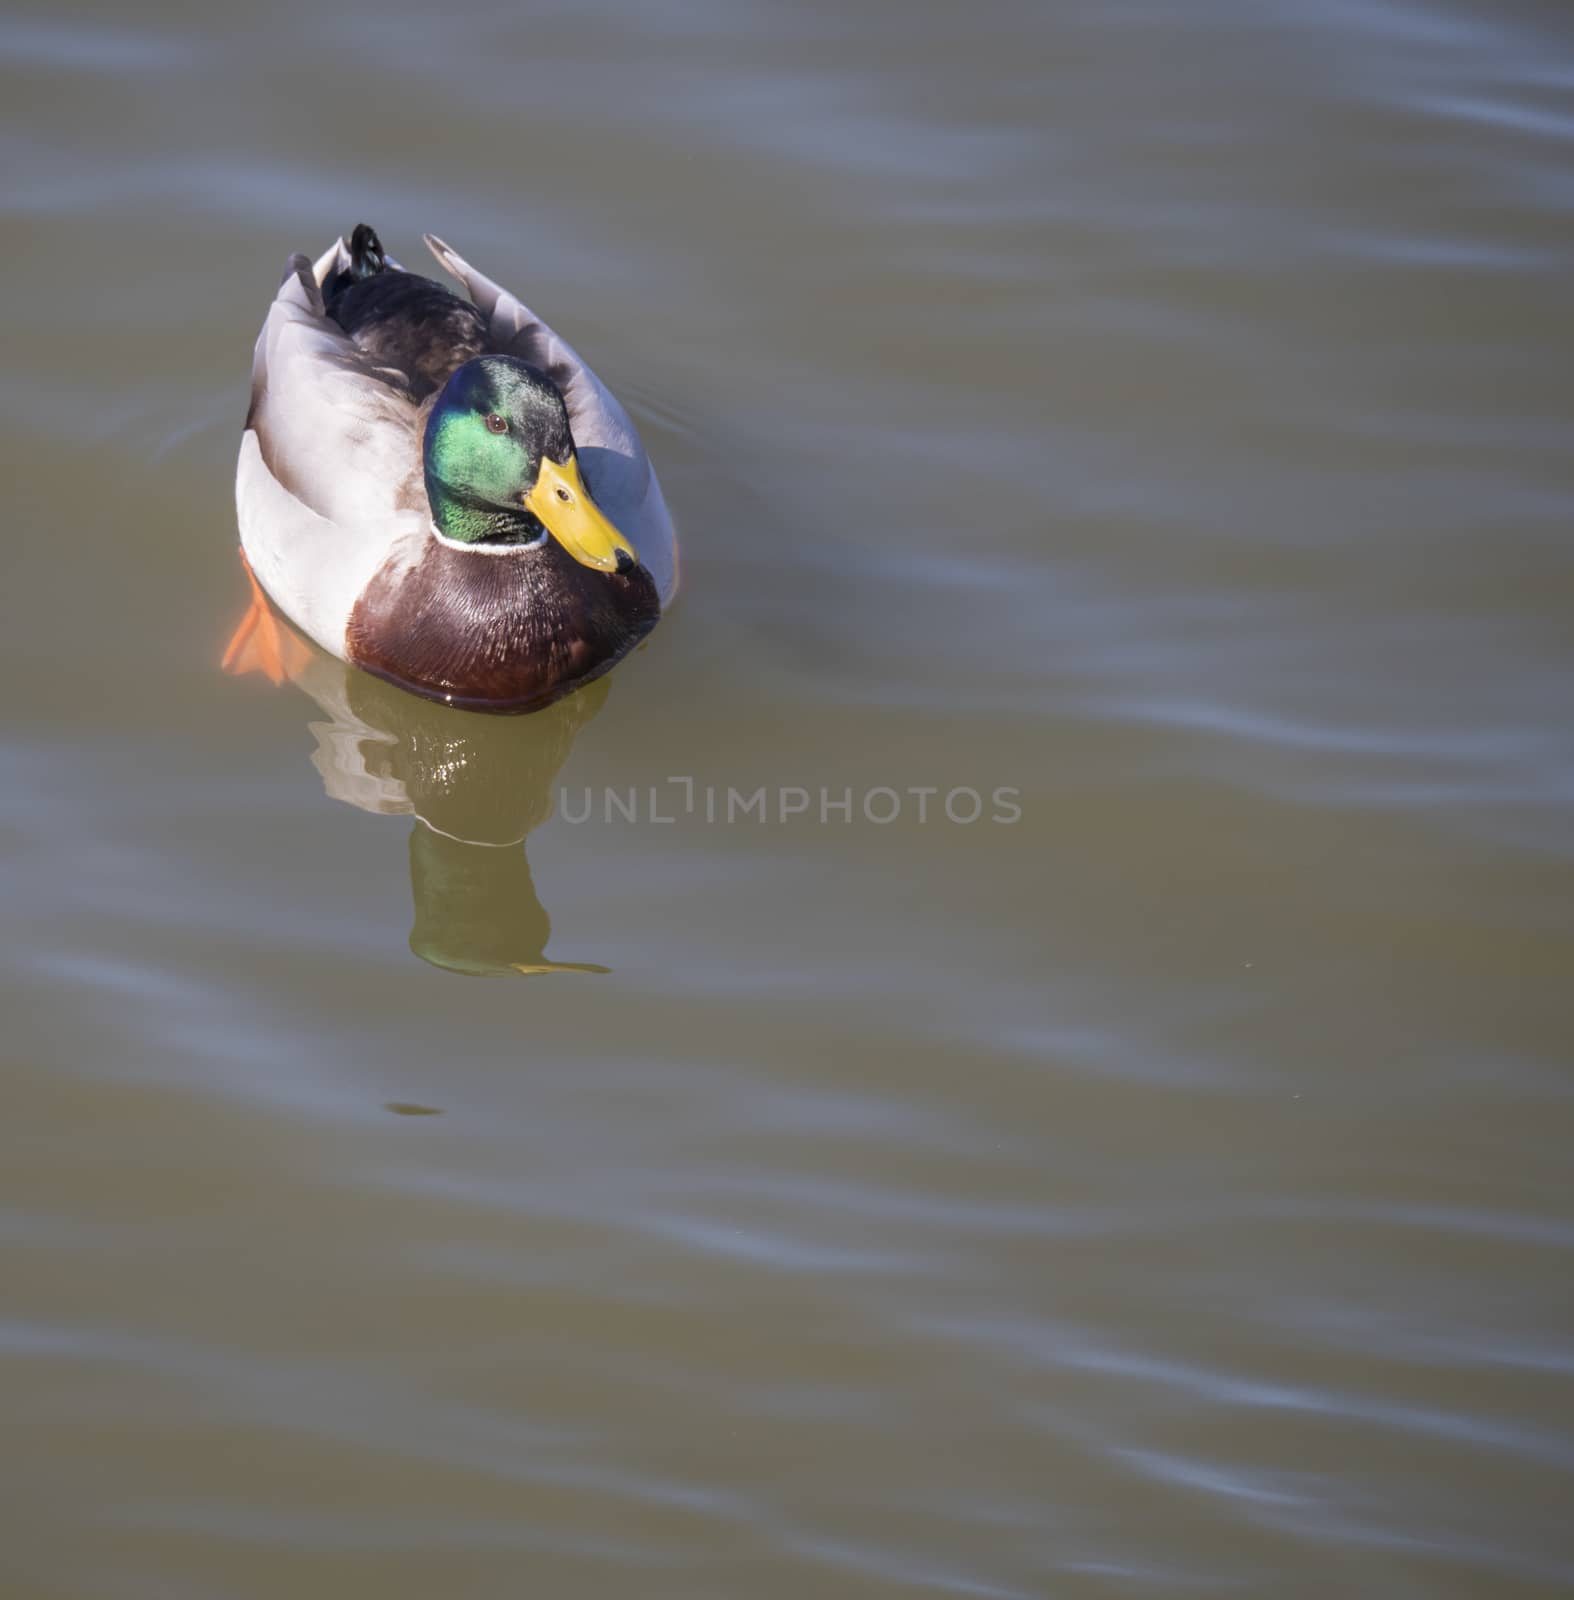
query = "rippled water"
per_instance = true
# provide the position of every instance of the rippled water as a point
(1160, 412)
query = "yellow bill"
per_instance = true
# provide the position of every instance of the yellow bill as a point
(562, 502)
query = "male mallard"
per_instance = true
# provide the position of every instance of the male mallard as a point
(439, 490)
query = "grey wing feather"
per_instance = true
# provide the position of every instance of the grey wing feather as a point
(337, 430)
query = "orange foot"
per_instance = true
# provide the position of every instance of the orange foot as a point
(262, 643)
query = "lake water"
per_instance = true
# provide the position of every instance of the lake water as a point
(1160, 413)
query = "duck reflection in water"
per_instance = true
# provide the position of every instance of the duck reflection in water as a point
(476, 786)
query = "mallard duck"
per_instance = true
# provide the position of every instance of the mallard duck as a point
(440, 490)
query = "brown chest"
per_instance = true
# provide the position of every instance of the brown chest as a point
(498, 632)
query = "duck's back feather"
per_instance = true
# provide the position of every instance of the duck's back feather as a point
(412, 324)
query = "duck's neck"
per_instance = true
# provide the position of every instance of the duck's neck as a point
(468, 521)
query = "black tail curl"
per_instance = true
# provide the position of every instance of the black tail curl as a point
(366, 261)
(366, 252)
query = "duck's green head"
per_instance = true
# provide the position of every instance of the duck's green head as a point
(501, 468)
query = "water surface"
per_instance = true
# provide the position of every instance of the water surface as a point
(1161, 412)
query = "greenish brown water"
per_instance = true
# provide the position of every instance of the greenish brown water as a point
(1161, 412)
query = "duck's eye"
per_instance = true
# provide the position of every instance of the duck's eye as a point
(495, 423)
